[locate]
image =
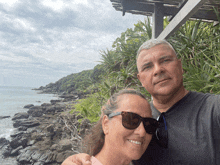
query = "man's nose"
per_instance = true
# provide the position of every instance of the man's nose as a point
(158, 69)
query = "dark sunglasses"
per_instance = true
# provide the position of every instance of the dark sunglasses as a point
(162, 132)
(132, 120)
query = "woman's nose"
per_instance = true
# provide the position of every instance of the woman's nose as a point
(140, 130)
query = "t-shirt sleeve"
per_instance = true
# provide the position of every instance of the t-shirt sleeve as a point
(216, 117)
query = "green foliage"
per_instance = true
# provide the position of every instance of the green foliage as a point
(77, 82)
(89, 108)
(120, 61)
(196, 43)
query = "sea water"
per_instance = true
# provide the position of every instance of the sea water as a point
(13, 100)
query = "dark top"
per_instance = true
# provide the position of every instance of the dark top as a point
(193, 125)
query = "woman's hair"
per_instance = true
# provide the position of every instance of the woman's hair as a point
(151, 43)
(94, 141)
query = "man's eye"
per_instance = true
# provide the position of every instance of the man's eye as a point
(147, 67)
(166, 60)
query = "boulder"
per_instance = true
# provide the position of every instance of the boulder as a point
(31, 142)
(24, 156)
(22, 128)
(47, 157)
(28, 106)
(37, 136)
(35, 111)
(6, 151)
(15, 152)
(22, 115)
(3, 142)
(4, 117)
(26, 123)
(63, 155)
(17, 134)
(54, 109)
(69, 97)
(54, 147)
(50, 128)
(65, 144)
(55, 101)
(45, 104)
(16, 142)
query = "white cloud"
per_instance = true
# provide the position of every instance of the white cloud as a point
(56, 5)
(23, 24)
(14, 58)
(54, 38)
(9, 2)
(16, 23)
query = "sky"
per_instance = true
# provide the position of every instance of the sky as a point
(42, 41)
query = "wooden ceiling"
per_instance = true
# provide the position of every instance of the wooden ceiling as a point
(170, 8)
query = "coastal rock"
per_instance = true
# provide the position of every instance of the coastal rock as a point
(35, 111)
(16, 142)
(26, 123)
(69, 97)
(63, 155)
(65, 144)
(15, 152)
(45, 104)
(36, 136)
(29, 106)
(4, 117)
(54, 109)
(55, 101)
(24, 156)
(22, 128)
(46, 134)
(6, 151)
(22, 115)
(3, 142)
(17, 134)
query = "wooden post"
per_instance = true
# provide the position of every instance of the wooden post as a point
(157, 20)
(181, 17)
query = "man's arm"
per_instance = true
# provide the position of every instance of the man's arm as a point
(78, 159)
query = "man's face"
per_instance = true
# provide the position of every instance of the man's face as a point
(160, 72)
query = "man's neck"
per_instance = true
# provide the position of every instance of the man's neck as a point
(162, 104)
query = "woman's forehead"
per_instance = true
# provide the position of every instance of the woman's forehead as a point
(133, 102)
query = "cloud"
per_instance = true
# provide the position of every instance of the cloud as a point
(53, 38)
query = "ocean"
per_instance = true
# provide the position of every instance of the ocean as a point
(12, 100)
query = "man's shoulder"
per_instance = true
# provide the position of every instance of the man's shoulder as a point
(204, 95)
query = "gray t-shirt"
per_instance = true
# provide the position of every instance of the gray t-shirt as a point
(193, 125)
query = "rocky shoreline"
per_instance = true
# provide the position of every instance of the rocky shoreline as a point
(46, 134)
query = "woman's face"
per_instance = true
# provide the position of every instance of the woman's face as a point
(128, 144)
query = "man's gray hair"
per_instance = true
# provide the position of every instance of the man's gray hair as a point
(151, 43)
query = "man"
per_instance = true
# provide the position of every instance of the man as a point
(190, 121)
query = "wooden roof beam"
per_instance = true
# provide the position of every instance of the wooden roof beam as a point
(181, 17)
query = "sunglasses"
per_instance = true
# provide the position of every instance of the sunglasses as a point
(162, 132)
(132, 120)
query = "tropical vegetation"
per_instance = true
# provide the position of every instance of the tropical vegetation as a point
(196, 43)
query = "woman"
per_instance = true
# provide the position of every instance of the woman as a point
(123, 132)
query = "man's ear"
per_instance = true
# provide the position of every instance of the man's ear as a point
(105, 124)
(180, 63)
(139, 78)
